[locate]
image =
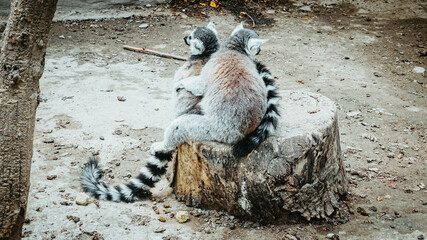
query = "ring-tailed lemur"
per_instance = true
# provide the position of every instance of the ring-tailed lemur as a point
(203, 42)
(234, 98)
(241, 48)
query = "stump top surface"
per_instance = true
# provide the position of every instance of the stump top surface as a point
(304, 112)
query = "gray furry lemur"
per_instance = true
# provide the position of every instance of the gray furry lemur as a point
(220, 94)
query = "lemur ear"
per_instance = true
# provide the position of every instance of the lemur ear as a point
(238, 27)
(211, 26)
(196, 46)
(254, 45)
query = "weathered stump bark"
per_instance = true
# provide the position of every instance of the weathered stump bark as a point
(296, 174)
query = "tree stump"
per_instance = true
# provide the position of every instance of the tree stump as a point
(295, 174)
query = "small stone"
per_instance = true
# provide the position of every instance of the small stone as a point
(48, 140)
(121, 98)
(61, 37)
(373, 209)
(418, 70)
(420, 237)
(305, 8)
(82, 199)
(166, 205)
(73, 218)
(51, 177)
(377, 74)
(101, 138)
(422, 186)
(182, 216)
(160, 230)
(162, 219)
(208, 231)
(375, 170)
(271, 11)
(144, 25)
(390, 155)
(353, 114)
(232, 226)
(290, 237)
(332, 236)
(362, 211)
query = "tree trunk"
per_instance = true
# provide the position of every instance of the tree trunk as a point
(22, 55)
(297, 174)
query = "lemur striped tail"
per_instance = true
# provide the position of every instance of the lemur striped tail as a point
(137, 189)
(268, 124)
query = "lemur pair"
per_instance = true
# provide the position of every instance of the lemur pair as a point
(221, 94)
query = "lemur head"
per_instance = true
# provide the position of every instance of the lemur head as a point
(245, 41)
(203, 40)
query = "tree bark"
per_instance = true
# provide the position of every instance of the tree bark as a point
(295, 175)
(22, 55)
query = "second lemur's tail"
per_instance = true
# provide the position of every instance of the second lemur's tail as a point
(268, 124)
(137, 189)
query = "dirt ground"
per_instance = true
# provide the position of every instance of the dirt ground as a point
(360, 54)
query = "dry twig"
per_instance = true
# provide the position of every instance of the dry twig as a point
(159, 54)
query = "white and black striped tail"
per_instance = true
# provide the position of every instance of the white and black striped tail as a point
(137, 189)
(268, 124)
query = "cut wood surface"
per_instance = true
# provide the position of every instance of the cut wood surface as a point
(296, 174)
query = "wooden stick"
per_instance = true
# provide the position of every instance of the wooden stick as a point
(160, 54)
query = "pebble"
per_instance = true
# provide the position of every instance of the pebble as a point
(305, 9)
(353, 114)
(232, 226)
(182, 216)
(362, 211)
(51, 177)
(377, 74)
(291, 237)
(48, 140)
(101, 138)
(422, 186)
(373, 209)
(162, 219)
(61, 37)
(82, 199)
(332, 236)
(73, 218)
(159, 230)
(121, 98)
(418, 70)
(375, 170)
(271, 11)
(390, 155)
(144, 25)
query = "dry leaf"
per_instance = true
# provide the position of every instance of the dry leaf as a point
(214, 4)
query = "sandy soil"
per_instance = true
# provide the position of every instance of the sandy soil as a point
(361, 55)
